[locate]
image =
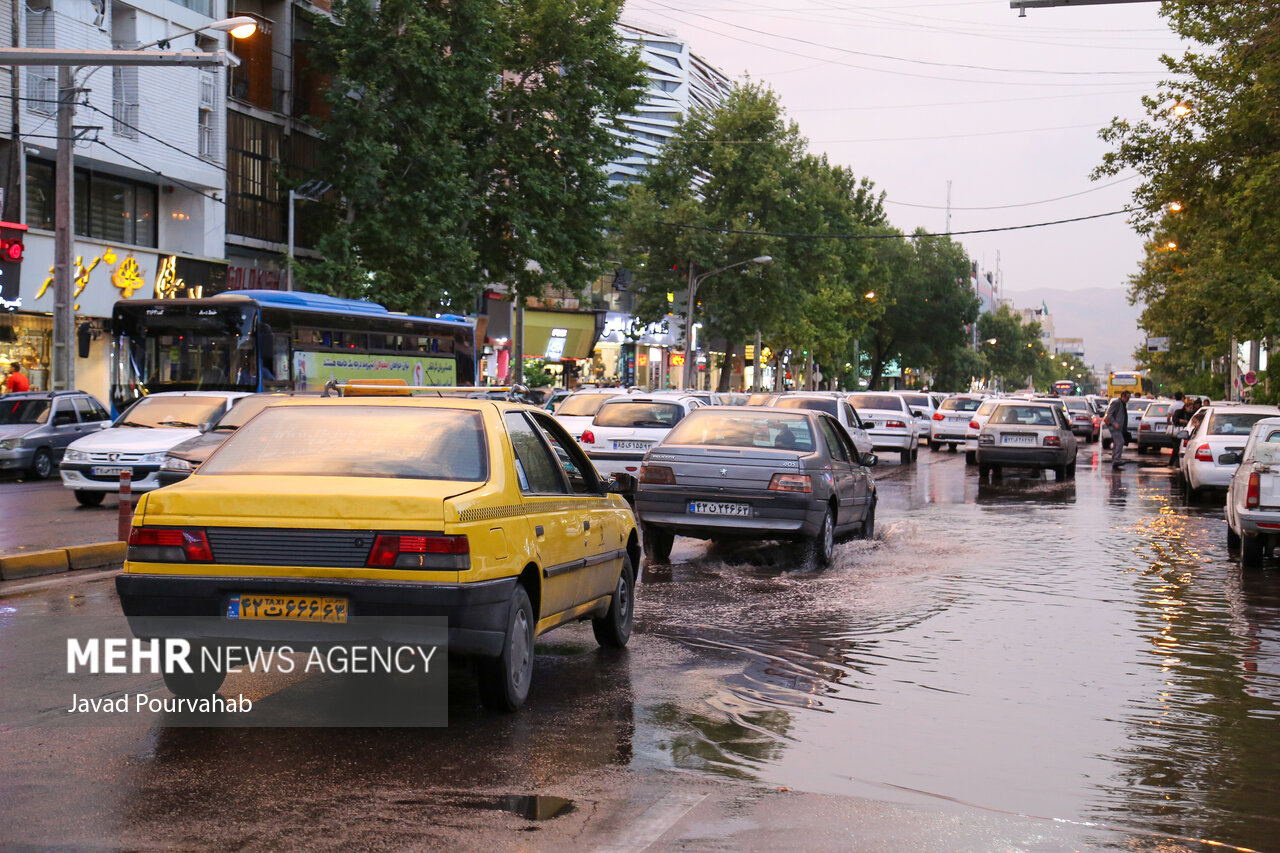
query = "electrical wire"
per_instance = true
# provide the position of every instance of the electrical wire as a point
(1021, 204)
(154, 138)
(893, 236)
(160, 174)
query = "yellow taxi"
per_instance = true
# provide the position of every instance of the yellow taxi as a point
(324, 515)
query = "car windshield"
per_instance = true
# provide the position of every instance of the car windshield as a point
(830, 406)
(1235, 423)
(28, 411)
(961, 404)
(582, 405)
(415, 443)
(244, 409)
(731, 429)
(172, 412)
(1079, 405)
(759, 399)
(988, 406)
(1024, 416)
(876, 401)
(638, 413)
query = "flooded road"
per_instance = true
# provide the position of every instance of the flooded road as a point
(1024, 665)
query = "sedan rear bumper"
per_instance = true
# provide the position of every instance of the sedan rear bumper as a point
(1029, 457)
(777, 515)
(1259, 522)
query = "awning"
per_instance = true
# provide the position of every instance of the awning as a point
(557, 335)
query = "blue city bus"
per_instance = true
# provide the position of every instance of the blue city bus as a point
(269, 340)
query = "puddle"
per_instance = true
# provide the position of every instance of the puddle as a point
(528, 807)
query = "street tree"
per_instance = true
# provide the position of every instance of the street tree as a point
(1011, 348)
(467, 144)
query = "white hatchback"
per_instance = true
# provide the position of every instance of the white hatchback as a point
(949, 425)
(625, 428)
(138, 440)
(834, 406)
(977, 420)
(576, 411)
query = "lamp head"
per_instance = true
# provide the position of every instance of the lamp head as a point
(763, 259)
(239, 27)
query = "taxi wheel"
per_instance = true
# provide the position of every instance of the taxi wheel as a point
(194, 685)
(614, 628)
(657, 544)
(85, 497)
(42, 464)
(504, 680)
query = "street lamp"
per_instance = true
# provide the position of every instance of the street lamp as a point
(694, 281)
(69, 62)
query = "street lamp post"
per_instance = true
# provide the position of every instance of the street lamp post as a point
(68, 62)
(690, 358)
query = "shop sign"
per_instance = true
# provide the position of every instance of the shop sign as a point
(129, 278)
(677, 359)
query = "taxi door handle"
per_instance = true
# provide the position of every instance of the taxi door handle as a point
(586, 525)
(538, 530)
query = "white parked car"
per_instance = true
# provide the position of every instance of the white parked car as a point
(889, 422)
(949, 425)
(625, 428)
(138, 440)
(1212, 432)
(836, 407)
(1253, 496)
(576, 411)
(922, 405)
(977, 420)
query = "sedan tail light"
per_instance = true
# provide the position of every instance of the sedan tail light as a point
(974, 425)
(895, 425)
(791, 483)
(1251, 495)
(657, 475)
(428, 551)
(168, 545)
(1052, 441)
(938, 416)
(588, 437)
(1144, 426)
(1203, 454)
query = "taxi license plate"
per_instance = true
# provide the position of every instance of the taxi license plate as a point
(632, 445)
(1019, 440)
(710, 508)
(107, 471)
(288, 608)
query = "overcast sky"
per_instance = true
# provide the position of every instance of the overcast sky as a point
(916, 93)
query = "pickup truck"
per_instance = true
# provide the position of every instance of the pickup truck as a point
(1253, 496)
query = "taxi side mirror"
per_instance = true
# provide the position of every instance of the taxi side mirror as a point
(624, 484)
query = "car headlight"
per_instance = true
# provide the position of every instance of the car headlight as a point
(153, 458)
(76, 456)
(173, 463)
(10, 444)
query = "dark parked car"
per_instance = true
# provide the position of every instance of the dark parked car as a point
(734, 472)
(37, 426)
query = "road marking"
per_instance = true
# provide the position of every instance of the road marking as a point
(653, 823)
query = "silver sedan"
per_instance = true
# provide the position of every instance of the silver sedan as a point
(1027, 434)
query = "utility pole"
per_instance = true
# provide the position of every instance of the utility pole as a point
(948, 205)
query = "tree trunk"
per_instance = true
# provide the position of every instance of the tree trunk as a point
(726, 369)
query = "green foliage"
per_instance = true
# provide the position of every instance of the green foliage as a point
(467, 144)
(1211, 270)
(1017, 352)
(536, 375)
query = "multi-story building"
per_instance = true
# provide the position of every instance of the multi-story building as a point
(150, 169)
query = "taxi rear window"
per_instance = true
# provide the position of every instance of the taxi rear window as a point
(357, 441)
(638, 413)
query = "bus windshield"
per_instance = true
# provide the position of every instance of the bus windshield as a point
(184, 348)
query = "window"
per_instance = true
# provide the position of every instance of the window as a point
(536, 470)
(255, 202)
(90, 411)
(107, 208)
(124, 100)
(834, 446)
(581, 473)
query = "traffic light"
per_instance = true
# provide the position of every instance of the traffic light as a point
(12, 248)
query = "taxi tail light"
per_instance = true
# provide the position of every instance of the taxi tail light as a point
(1253, 493)
(428, 551)
(657, 475)
(168, 545)
(974, 425)
(1052, 441)
(588, 437)
(895, 425)
(791, 483)
(938, 416)
(1203, 454)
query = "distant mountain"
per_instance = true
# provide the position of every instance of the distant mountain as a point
(1100, 315)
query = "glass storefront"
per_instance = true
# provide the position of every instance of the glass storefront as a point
(28, 340)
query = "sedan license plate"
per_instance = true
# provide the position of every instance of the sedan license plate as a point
(712, 508)
(108, 471)
(288, 608)
(1019, 440)
(632, 445)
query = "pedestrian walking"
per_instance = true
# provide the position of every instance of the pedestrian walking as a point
(16, 380)
(1117, 420)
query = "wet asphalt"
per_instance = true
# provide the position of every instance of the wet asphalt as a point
(1022, 665)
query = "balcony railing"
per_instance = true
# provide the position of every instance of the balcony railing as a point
(124, 117)
(42, 92)
(208, 90)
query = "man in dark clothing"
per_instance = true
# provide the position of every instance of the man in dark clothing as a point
(1179, 421)
(1117, 420)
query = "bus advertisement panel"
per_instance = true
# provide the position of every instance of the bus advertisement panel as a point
(311, 370)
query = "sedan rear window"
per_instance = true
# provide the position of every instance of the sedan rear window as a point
(961, 404)
(1157, 410)
(891, 402)
(1234, 423)
(356, 441)
(583, 405)
(722, 429)
(1024, 416)
(919, 400)
(828, 406)
(638, 413)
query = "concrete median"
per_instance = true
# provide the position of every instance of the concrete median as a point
(101, 555)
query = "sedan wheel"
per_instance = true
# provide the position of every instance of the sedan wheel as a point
(823, 546)
(905, 457)
(1251, 551)
(42, 464)
(614, 628)
(933, 445)
(970, 457)
(1233, 538)
(84, 497)
(868, 530)
(657, 544)
(504, 680)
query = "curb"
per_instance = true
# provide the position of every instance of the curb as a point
(74, 558)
